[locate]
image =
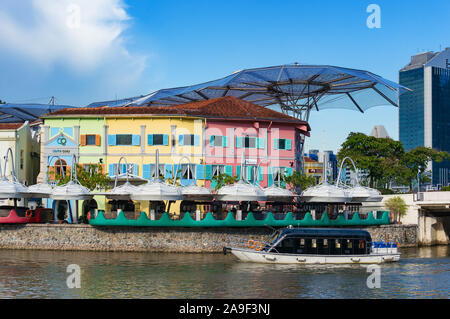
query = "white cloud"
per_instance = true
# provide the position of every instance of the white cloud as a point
(84, 35)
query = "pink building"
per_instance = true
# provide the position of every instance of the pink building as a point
(264, 136)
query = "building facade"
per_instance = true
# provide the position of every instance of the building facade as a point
(195, 142)
(424, 113)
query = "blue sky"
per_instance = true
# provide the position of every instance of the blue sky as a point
(83, 51)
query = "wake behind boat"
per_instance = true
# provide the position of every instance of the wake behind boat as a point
(317, 246)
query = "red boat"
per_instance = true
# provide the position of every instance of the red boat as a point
(20, 215)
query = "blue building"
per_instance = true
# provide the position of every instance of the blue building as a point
(424, 113)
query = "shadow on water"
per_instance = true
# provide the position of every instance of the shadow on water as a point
(421, 273)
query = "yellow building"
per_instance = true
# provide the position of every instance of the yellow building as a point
(314, 168)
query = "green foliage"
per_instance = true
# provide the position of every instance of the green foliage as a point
(2, 102)
(224, 179)
(397, 206)
(298, 180)
(91, 177)
(386, 161)
(445, 189)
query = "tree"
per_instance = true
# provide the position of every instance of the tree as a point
(397, 206)
(298, 180)
(373, 155)
(90, 176)
(2, 102)
(416, 160)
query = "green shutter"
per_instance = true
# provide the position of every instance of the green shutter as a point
(269, 176)
(238, 171)
(260, 174)
(224, 141)
(208, 172)
(260, 143)
(211, 141)
(238, 142)
(229, 170)
(276, 143)
(288, 145)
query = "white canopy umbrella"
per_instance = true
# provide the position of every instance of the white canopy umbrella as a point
(240, 191)
(324, 192)
(12, 189)
(157, 190)
(73, 190)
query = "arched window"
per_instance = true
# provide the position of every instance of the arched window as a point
(61, 167)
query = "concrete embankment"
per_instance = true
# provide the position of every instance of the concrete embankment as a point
(149, 239)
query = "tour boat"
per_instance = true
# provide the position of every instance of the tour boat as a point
(317, 246)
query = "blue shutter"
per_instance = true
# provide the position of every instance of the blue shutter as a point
(249, 173)
(288, 145)
(180, 140)
(112, 140)
(168, 170)
(136, 140)
(260, 174)
(208, 172)
(260, 143)
(111, 170)
(238, 171)
(196, 140)
(211, 140)
(200, 172)
(289, 171)
(165, 139)
(269, 176)
(135, 169)
(229, 170)
(123, 169)
(276, 143)
(150, 139)
(225, 141)
(146, 171)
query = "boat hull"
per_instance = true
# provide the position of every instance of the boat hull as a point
(249, 255)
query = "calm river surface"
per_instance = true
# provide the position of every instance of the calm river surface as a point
(421, 273)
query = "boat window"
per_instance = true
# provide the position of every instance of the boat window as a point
(361, 244)
(314, 244)
(349, 244)
(338, 243)
(325, 243)
(302, 242)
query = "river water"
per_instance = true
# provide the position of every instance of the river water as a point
(421, 273)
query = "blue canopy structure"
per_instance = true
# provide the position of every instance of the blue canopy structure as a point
(17, 113)
(295, 88)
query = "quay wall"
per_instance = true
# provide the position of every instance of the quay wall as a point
(149, 239)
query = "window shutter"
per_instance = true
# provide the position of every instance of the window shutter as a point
(239, 142)
(146, 171)
(289, 171)
(83, 140)
(260, 142)
(136, 140)
(249, 173)
(269, 176)
(180, 140)
(288, 145)
(136, 169)
(166, 139)
(200, 171)
(224, 141)
(260, 174)
(208, 172)
(229, 170)
(211, 140)
(238, 171)
(150, 139)
(98, 140)
(196, 140)
(276, 143)
(112, 140)
(111, 171)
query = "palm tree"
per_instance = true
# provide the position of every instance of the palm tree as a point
(397, 206)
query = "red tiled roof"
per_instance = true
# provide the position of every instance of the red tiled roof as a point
(10, 126)
(227, 107)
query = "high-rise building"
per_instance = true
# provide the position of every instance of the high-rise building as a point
(424, 113)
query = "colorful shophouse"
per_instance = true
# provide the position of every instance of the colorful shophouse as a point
(198, 140)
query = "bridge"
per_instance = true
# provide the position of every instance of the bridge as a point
(433, 217)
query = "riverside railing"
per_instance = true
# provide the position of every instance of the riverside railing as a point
(98, 219)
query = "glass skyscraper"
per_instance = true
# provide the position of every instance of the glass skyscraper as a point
(424, 113)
